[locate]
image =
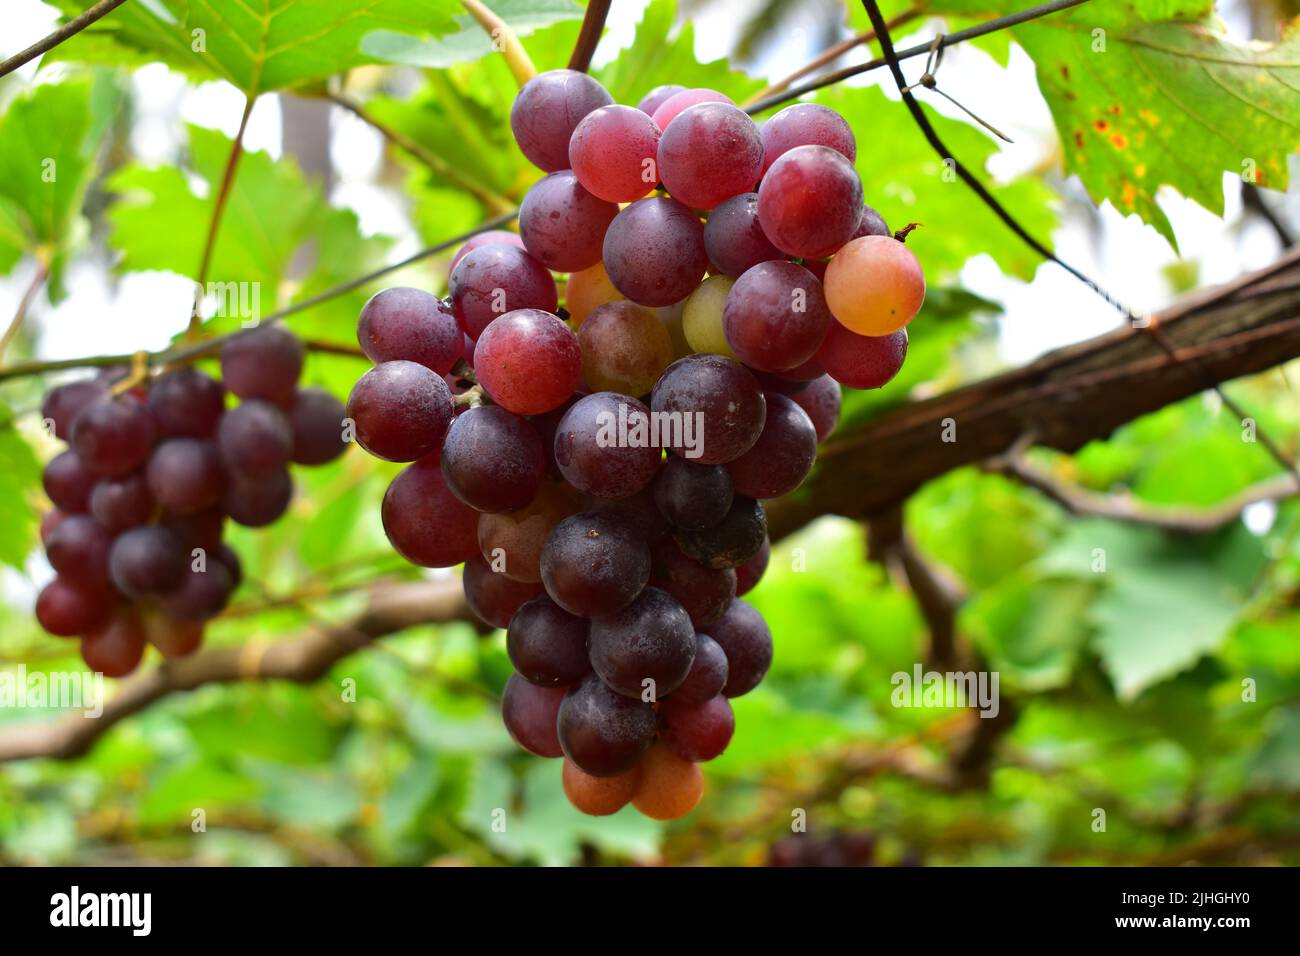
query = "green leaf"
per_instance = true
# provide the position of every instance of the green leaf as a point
(1151, 92)
(471, 41)
(19, 480)
(256, 47)
(50, 134)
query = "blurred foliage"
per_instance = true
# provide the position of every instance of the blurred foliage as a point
(1151, 676)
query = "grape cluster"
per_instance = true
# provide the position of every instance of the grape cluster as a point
(599, 468)
(152, 472)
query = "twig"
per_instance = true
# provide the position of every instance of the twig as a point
(218, 208)
(333, 348)
(503, 40)
(593, 24)
(25, 303)
(950, 39)
(1253, 201)
(213, 345)
(68, 30)
(1182, 519)
(829, 55)
(495, 202)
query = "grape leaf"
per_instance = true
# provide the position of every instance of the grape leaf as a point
(19, 478)
(471, 41)
(256, 46)
(1151, 92)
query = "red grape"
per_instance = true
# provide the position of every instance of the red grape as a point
(68, 482)
(410, 324)
(647, 647)
(708, 673)
(496, 279)
(591, 451)
(594, 564)
(113, 436)
(744, 637)
(613, 152)
(425, 522)
(703, 591)
(658, 96)
(673, 106)
(602, 732)
(529, 361)
(547, 110)
(783, 455)
(492, 596)
(548, 645)
(316, 418)
(530, 714)
(116, 648)
(62, 404)
(489, 238)
(821, 400)
(402, 411)
(776, 316)
(862, 361)
(697, 732)
(79, 550)
(255, 438)
(492, 459)
(806, 124)
(654, 251)
(186, 403)
(262, 363)
(810, 202)
(734, 239)
(66, 609)
(184, 475)
(751, 572)
(710, 152)
(719, 400)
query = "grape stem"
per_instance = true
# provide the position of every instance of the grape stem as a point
(65, 32)
(503, 40)
(593, 24)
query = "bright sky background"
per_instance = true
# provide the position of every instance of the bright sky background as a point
(111, 314)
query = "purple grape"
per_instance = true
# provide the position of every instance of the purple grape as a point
(121, 503)
(402, 410)
(262, 363)
(718, 403)
(316, 419)
(62, 404)
(548, 109)
(783, 455)
(592, 454)
(692, 496)
(709, 153)
(68, 482)
(563, 225)
(254, 438)
(604, 733)
(703, 591)
(185, 476)
(409, 324)
(594, 564)
(67, 609)
(186, 403)
(492, 459)
(776, 316)
(751, 572)
(113, 436)
(425, 522)
(733, 238)
(78, 549)
(821, 400)
(732, 542)
(147, 562)
(708, 672)
(548, 645)
(654, 251)
(493, 597)
(745, 639)
(496, 279)
(202, 595)
(647, 647)
(260, 500)
(530, 714)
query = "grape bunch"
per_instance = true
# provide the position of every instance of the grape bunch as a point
(600, 468)
(152, 472)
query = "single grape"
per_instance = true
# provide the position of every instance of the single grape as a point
(512, 542)
(63, 404)
(425, 522)
(644, 649)
(734, 238)
(116, 648)
(496, 279)
(548, 645)
(862, 361)
(185, 476)
(806, 124)
(702, 316)
(587, 289)
(692, 496)
(604, 445)
(255, 438)
(703, 591)
(202, 595)
(783, 455)
(492, 459)
(658, 96)
(821, 400)
(598, 796)
(810, 202)
(402, 411)
(490, 238)
(602, 732)
(670, 786)
(613, 151)
(547, 110)
(745, 639)
(200, 530)
(562, 224)
(186, 403)
(708, 673)
(731, 542)
(68, 482)
(492, 596)
(751, 572)
(697, 732)
(258, 501)
(715, 406)
(625, 348)
(113, 436)
(874, 285)
(316, 418)
(594, 564)
(709, 153)
(147, 562)
(776, 316)
(264, 362)
(410, 324)
(529, 361)
(173, 638)
(873, 224)
(78, 549)
(654, 251)
(530, 715)
(66, 609)
(672, 107)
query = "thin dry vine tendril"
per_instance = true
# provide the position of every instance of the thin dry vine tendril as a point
(65, 32)
(1138, 322)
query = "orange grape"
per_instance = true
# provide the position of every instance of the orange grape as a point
(874, 285)
(598, 796)
(670, 786)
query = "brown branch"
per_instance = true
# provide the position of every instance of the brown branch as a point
(593, 24)
(25, 303)
(1180, 519)
(301, 659)
(65, 32)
